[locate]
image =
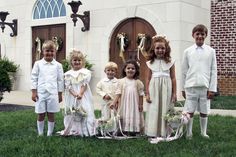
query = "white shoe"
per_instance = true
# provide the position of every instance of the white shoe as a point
(205, 135)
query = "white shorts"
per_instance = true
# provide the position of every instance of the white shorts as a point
(196, 99)
(47, 103)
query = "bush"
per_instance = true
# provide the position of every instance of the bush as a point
(5, 83)
(8, 65)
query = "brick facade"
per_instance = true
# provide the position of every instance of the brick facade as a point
(223, 40)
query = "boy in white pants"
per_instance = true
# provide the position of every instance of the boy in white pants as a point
(47, 84)
(106, 89)
(199, 79)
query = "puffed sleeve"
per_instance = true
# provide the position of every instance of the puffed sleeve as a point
(86, 76)
(140, 87)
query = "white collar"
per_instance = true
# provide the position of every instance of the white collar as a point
(45, 62)
(201, 47)
(114, 80)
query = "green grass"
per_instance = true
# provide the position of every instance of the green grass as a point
(18, 138)
(221, 102)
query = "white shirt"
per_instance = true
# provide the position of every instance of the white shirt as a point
(199, 68)
(47, 77)
(107, 86)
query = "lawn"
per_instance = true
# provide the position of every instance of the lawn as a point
(18, 137)
(221, 102)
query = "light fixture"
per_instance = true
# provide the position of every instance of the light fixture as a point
(85, 18)
(13, 25)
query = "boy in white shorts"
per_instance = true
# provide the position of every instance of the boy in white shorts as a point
(199, 79)
(47, 84)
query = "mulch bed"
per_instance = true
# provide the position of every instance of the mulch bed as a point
(13, 107)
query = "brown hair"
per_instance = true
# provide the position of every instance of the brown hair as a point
(136, 75)
(152, 56)
(200, 28)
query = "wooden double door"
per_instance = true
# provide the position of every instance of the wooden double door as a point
(48, 32)
(132, 27)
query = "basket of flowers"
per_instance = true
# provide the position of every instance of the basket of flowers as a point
(176, 118)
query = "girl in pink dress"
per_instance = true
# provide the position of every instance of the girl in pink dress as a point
(129, 97)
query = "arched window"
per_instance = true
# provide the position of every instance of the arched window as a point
(48, 9)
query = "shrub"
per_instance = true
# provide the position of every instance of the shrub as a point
(8, 65)
(5, 83)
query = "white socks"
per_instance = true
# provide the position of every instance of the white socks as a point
(50, 128)
(189, 128)
(203, 125)
(40, 126)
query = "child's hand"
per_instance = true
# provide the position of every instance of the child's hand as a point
(140, 107)
(148, 100)
(210, 95)
(79, 96)
(107, 97)
(34, 97)
(174, 98)
(112, 106)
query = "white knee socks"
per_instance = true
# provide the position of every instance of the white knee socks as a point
(40, 126)
(50, 128)
(189, 128)
(203, 125)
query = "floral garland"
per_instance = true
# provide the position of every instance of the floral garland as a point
(123, 43)
(144, 44)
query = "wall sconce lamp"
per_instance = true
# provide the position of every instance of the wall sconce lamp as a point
(13, 25)
(85, 18)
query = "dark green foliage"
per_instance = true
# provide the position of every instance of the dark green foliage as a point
(5, 83)
(8, 65)
(18, 138)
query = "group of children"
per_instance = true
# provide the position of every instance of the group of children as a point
(125, 95)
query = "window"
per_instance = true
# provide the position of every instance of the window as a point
(48, 9)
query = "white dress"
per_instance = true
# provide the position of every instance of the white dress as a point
(130, 91)
(160, 89)
(76, 124)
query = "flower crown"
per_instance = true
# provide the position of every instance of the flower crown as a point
(160, 36)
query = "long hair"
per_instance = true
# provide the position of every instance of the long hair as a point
(136, 75)
(167, 57)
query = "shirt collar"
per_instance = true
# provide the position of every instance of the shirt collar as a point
(201, 47)
(45, 62)
(114, 80)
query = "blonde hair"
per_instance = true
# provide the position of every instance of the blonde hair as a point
(111, 65)
(48, 44)
(77, 54)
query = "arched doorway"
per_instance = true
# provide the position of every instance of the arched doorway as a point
(132, 27)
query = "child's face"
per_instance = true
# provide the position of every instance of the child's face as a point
(130, 71)
(111, 72)
(48, 54)
(76, 63)
(159, 49)
(199, 38)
